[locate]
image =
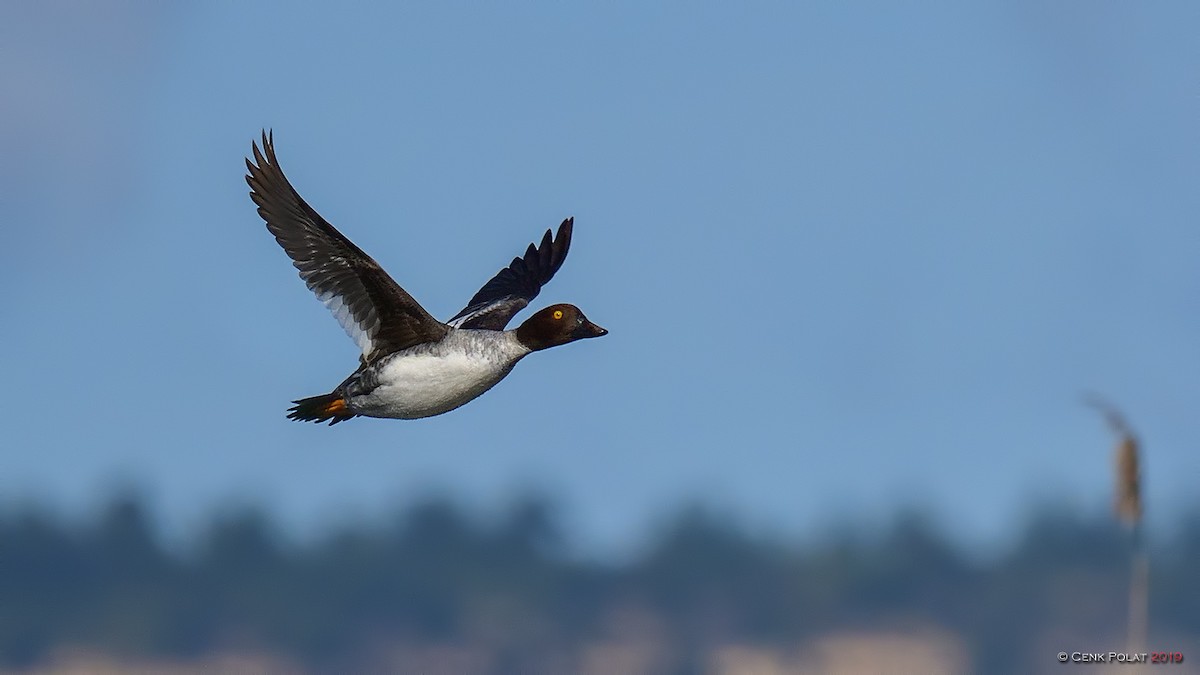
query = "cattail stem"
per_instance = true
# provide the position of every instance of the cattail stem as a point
(1139, 591)
(1127, 505)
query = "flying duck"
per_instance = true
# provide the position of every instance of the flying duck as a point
(412, 365)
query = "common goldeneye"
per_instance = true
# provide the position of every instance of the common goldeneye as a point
(412, 365)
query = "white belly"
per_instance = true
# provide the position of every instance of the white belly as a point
(423, 385)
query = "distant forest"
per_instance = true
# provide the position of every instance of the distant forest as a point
(509, 588)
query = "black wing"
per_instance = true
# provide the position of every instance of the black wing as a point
(377, 314)
(517, 285)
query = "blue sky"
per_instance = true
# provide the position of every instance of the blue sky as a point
(852, 258)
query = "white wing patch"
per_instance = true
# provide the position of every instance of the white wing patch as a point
(362, 335)
(499, 304)
(467, 317)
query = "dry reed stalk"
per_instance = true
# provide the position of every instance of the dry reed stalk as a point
(1127, 505)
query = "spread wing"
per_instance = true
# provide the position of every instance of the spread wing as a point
(375, 312)
(517, 285)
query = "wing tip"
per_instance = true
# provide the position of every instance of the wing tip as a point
(267, 152)
(565, 229)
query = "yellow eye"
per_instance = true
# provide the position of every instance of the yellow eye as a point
(557, 314)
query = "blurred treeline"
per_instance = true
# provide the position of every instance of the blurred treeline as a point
(509, 592)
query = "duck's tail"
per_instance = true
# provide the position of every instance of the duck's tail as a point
(330, 407)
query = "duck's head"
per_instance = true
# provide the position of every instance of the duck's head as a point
(556, 325)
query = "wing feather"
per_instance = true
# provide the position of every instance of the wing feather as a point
(515, 286)
(379, 315)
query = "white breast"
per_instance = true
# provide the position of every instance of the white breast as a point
(429, 380)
